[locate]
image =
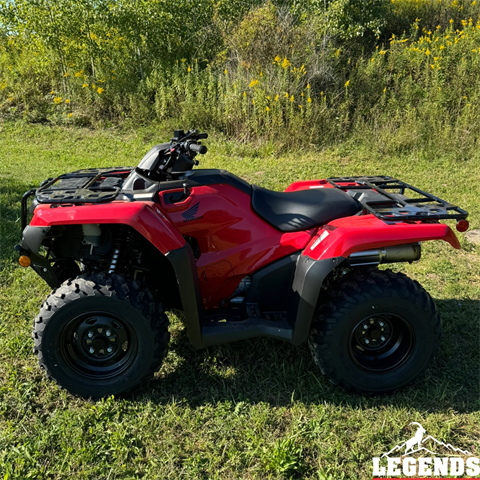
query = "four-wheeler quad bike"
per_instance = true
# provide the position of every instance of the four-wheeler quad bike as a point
(120, 246)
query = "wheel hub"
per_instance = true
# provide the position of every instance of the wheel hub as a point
(381, 342)
(373, 333)
(99, 344)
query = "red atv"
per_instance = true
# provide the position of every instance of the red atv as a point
(120, 246)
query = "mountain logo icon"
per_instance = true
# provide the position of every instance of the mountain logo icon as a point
(417, 442)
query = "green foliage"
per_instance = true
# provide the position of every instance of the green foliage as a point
(285, 458)
(365, 64)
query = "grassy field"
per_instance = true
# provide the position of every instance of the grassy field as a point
(254, 409)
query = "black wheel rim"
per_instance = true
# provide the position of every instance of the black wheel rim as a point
(98, 345)
(381, 342)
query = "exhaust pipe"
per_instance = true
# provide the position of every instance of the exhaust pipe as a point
(396, 253)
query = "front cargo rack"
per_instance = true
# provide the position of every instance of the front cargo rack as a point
(94, 185)
(392, 200)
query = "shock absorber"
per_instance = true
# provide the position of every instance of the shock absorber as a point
(118, 244)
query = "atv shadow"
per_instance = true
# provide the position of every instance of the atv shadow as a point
(270, 371)
(11, 191)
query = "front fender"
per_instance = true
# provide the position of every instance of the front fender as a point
(145, 217)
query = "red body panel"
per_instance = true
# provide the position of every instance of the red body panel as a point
(308, 184)
(233, 239)
(354, 234)
(145, 217)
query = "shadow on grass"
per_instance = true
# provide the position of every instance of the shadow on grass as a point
(11, 191)
(264, 370)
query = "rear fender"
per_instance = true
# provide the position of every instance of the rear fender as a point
(333, 243)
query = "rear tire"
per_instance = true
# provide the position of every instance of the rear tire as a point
(377, 331)
(99, 335)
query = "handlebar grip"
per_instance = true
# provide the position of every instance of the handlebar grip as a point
(201, 136)
(195, 147)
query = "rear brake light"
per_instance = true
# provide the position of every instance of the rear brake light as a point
(462, 225)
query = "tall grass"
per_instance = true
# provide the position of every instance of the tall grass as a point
(404, 72)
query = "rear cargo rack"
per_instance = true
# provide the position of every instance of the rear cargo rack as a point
(392, 200)
(93, 185)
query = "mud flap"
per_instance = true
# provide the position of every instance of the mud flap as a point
(307, 282)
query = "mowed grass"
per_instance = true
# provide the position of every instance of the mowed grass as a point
(252, 409)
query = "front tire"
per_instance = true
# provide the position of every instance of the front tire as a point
(100, 335)
(377, 331)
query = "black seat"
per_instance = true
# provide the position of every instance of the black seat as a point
(303, 209)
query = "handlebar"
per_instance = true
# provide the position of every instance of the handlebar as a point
(196, 148)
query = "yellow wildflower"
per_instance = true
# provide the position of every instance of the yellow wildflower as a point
(309, 100)
(100, 90)
(268, 98)
(65, 74)
(85, 85)
(254, 83)
(286, 95)
(67, 101)
(267, 109)
(57, 100)
(277, 59)
(347, 83)
(427, 52)
(292, 98)
(308, 86)
(189, 69)
(52, 92)
(285, 63)
(225, 72)
(69, 115)
(244, 94)
(276, 98)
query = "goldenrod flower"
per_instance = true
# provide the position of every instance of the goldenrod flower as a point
(286, 63)
(277, 59)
